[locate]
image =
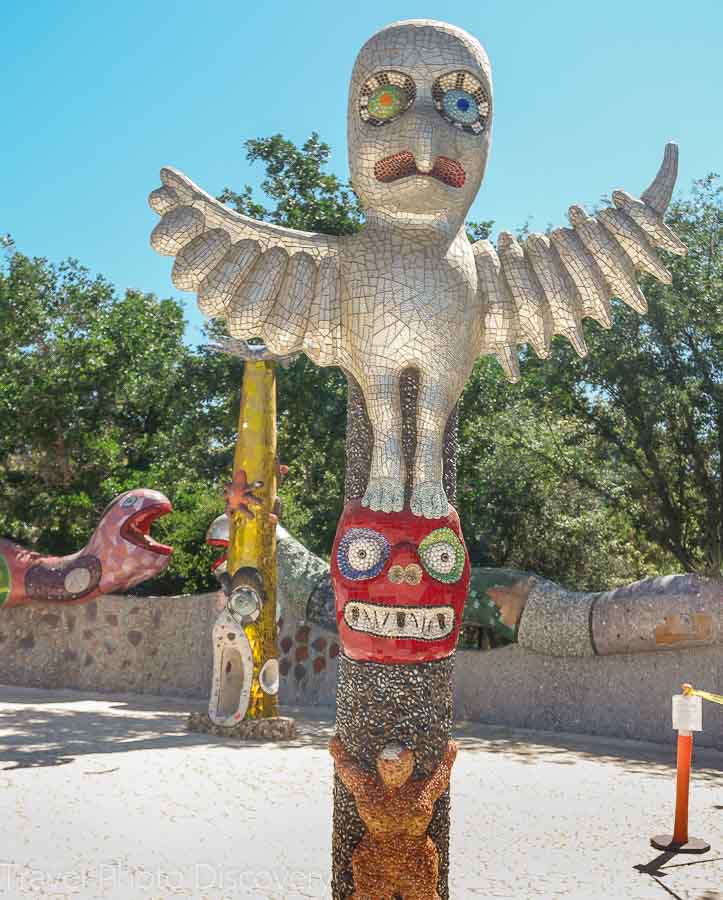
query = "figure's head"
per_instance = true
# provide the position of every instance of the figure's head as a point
(400, 583)
(395, 765)
(419, 123)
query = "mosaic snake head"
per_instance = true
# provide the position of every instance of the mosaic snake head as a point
(120, 554)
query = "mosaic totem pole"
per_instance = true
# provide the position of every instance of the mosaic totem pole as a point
(244, 691)
(405, 307)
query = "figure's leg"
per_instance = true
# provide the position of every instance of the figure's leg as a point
(385, 490)
(370, 890)
(419, 881)
(371, 878)
(434, 404)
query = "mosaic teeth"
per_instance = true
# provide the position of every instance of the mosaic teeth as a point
(424, 623)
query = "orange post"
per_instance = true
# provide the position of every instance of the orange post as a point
(682, 787)
(687, 718)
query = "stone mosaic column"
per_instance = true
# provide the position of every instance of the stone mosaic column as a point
(400, 700)
(252, 536)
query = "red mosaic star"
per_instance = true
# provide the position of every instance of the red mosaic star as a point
(240, 494)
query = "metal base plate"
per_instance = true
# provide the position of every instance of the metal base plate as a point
(693, 845)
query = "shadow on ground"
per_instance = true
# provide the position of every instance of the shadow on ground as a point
(51, 728)
(40, 728)
(666, 864)
(635, 757)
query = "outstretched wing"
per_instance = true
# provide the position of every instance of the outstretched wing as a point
(547, 284)
(265, 281)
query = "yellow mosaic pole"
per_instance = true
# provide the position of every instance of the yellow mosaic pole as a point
(252, 537)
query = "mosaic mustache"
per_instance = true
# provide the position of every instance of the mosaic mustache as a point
(402, 165)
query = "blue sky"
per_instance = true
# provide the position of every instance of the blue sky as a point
(97, 97)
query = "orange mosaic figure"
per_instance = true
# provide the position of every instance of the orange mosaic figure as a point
(395, 857)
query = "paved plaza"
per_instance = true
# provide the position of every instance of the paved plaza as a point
(107, 796)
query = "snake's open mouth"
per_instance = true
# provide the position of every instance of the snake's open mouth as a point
(402, 165)
(420, 623)
(136, 529)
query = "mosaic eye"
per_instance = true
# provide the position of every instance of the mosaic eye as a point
(362, 553)
(461, 99)
(442, 555)
(385, 96)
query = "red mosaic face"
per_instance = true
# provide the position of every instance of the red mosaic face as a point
(400, 582)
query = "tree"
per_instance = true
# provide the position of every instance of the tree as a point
(650, 397)
(306, 197)
(99, 394)
(520, 508)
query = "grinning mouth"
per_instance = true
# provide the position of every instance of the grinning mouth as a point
(136, 529)
(402, 165)
(421, 623)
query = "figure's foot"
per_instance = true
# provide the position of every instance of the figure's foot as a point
(384, 495)
(429, 500)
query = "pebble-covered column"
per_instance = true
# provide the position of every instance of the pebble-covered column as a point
(409, 702)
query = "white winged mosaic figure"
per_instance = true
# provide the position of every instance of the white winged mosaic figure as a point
(409, 290)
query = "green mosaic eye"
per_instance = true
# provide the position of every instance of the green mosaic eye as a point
(4, 581)
(385, 96)
(442, 555)
(387, 102)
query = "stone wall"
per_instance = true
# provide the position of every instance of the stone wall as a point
(153, 645)
(162, 645)
(622, 695)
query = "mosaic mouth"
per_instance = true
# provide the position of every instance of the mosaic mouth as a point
(403, 165)
(420, 623)
(136, 529)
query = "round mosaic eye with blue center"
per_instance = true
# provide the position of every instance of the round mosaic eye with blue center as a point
(460, 106)
(461, 99)
(362, 553)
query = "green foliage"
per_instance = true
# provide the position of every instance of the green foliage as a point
(648, 399)
(306, 197)
(99, 394)
(312, 425)
(479, 231)
(519, 506)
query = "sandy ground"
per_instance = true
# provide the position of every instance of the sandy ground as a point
(106, 796)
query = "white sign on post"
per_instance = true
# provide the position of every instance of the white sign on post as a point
(687, 713)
